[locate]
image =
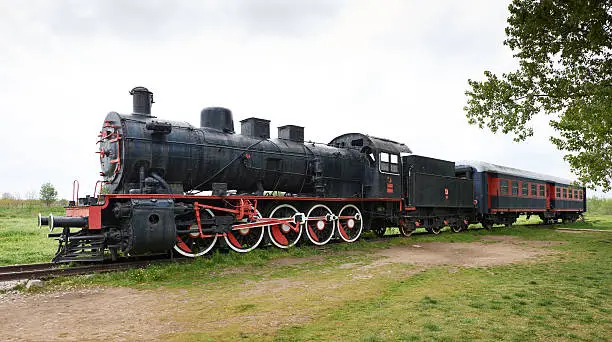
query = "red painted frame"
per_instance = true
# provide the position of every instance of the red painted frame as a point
(94, 212)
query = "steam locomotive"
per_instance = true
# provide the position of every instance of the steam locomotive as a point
(170, 186)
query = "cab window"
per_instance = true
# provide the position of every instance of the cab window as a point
(389, 162)
(394, 163)
(384, 161)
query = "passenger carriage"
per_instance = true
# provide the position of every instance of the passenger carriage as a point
(503, 193)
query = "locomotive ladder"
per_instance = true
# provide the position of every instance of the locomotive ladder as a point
(79, 246)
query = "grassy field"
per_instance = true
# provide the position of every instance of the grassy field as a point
(343, 293)
(21, 241)
(562, 296)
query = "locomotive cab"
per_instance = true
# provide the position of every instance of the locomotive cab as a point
(382, 174)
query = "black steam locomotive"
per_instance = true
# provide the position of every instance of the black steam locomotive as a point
(171, 186)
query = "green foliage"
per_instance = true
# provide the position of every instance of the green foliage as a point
(48, 194)
(564, 49)
(599, 206)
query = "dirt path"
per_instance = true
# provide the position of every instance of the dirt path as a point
(124, 314)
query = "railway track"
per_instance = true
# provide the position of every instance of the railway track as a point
(52, 270)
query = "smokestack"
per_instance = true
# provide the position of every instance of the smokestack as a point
(142, 100)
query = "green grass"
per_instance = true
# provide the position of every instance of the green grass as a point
(21, 241)
(566, 298)
(597, 221)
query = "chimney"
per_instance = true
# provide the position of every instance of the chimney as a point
(142, 100)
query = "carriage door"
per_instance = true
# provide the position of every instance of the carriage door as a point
(549, 193)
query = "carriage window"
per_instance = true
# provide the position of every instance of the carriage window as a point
(503, 187)
(569, 193)
(542, 191)
(558, 192)
(575, 194)
(564, 192)
(534, 191)
(394, 163)
(524, 188)
(580, 194)
(515, 188)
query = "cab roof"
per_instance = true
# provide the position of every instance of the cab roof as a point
(359, 140)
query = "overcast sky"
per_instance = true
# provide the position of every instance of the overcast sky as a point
(393, 69)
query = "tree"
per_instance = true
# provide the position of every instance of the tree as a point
(564, 50)
(48, 194)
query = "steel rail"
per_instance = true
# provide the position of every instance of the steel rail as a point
(52, 270)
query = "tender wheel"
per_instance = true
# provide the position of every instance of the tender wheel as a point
(350, 223)
(434, 230)
(287, 234)
(460, 226)
(406, 228)
(245, 240)
(191, 244)
(456, 228)
(380, 231)
(320, 224)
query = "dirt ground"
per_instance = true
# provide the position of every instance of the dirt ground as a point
(124, 314)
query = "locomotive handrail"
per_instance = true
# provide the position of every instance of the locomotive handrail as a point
(75, 200)
(101, 182)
